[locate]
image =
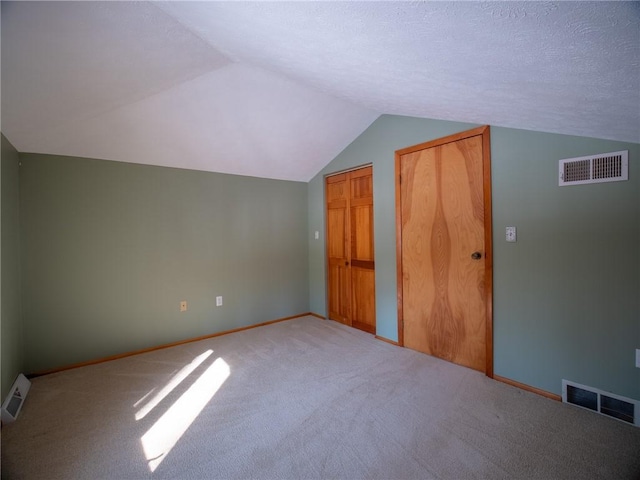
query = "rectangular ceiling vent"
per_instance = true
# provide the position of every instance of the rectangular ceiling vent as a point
(605, 167)
(605, 403)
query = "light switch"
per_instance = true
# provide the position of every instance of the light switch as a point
(317, 235)
(511, 234)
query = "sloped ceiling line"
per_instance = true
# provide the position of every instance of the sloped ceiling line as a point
(278, 89)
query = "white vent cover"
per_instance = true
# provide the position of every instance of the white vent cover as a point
(605, 167)
(17, 395)
(605, 403)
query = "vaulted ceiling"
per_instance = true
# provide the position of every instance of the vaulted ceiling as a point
(278, 89)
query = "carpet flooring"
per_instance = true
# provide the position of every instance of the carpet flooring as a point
(303, 399)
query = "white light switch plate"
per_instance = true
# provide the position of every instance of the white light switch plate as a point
(638, 357)
(510, 234)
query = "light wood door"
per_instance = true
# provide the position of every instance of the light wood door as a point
(339, 286)
(351, 267)
(444, 258)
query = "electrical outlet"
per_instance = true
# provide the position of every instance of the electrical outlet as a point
(510, 233)
(638, 357)
(218, 301)
(183, 306)
(317, 235)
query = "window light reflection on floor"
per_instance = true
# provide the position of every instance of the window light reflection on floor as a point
(165, 433)
(173, 383)
(146, 395)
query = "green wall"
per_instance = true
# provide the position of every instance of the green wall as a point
(567, 293)
(12, 335)
(110, 249)
(566, 300)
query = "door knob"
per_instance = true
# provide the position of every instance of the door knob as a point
(476, 255)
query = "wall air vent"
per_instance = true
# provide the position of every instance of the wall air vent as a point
(605, 403)
(605, 167)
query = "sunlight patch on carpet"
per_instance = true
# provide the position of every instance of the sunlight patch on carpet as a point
(144, 397)
(176, 380)
(165, 433)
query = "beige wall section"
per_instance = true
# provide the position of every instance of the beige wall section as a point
(12, 332)
(110, 249)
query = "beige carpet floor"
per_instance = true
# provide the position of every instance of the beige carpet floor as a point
(305, 398)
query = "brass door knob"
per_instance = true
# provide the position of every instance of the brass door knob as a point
(476, 255)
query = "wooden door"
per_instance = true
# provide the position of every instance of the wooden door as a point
(339, 285)
(351, 267)
(444, 249)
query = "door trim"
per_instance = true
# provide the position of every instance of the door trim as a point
(347, 170)
(484, 131)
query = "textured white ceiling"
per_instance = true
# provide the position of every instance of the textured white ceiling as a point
(277, 90)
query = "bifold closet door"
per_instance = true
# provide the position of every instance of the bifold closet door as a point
(350, 254)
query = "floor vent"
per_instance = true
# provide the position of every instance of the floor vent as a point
(605, 403)
(605, 167)
(13, 403)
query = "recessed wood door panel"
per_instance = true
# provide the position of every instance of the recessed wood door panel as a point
(361, 232)
(363, 314)
(351, 267)
(443, 251)
(339, 292)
